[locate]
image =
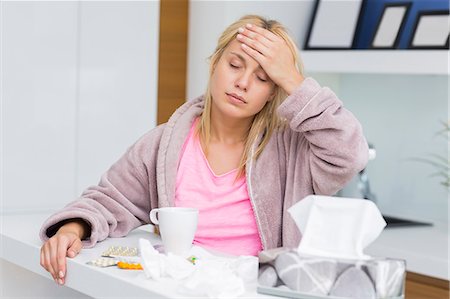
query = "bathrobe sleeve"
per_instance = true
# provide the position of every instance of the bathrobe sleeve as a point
(322, 136)
(123, 198)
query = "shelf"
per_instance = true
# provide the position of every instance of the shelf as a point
(432, 62)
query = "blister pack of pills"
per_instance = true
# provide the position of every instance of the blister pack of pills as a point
(114, 251)
(103, 262)
(126, 256)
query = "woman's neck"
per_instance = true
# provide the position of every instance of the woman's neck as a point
(229, 131)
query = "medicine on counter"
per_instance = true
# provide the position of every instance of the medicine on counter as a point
(129, 266)
(114, 251)
(103, 262)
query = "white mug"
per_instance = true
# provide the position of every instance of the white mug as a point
(177, 227)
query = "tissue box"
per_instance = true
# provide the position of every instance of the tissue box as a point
(284, 272)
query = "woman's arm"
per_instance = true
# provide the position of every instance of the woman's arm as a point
(122, 199)
(322, 132)
(119, 203)
(325, 134)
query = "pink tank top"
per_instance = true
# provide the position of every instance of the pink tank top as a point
(226, 220)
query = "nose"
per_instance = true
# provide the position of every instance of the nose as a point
(243, 81)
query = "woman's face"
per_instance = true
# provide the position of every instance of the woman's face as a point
(239, 86)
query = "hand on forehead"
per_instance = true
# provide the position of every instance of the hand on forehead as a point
(260, 34)
(272, 53)
(235, 49)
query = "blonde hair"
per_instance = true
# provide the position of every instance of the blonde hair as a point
(265, 121)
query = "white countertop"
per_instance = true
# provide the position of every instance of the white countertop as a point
(20, 244)
(424, 248)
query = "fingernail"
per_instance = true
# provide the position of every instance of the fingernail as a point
(60, 281)
(61, 274)
(243, 45)
(240, 30)
(239, 36)
(249, 25)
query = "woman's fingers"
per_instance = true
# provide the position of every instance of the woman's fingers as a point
(259, 47)
(263, 32)
(259, 40)
(61, 253)
(258, 56)
(273, 54)
(54, 260)
(256, 38)
(54, 252)
(75, 248)
(46, 260)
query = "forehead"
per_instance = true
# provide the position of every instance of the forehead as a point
(235, 48)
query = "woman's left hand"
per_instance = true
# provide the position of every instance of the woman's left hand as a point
(273, 54)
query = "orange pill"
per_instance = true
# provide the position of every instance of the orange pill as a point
(129, 266)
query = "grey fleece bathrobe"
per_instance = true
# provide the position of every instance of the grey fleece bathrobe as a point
(322, 148)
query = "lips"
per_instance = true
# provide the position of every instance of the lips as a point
(239, 98)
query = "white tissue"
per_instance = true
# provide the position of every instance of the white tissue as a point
(150, 259)
(157, 265)
(215, 279)
(211, 276)
(336, 227)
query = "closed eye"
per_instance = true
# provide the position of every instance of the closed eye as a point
(262, 79)
(234, 66)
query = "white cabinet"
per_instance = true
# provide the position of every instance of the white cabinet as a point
(434, 62)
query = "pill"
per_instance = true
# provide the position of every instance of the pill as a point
(113, 251)
(103, 262)
(129, 266)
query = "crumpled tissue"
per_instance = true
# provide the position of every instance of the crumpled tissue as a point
(211, 276)
(157, 265)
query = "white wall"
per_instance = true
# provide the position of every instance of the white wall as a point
(118, 82)
(79, 85)
(399, 113)
(38, 96)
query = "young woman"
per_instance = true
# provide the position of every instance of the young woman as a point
(260, 139)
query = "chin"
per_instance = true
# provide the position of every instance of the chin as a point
(228, 110)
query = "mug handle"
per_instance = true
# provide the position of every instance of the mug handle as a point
(153, 216)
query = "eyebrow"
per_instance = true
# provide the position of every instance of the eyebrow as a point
(243, 59)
